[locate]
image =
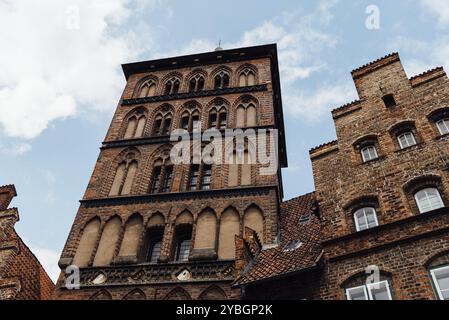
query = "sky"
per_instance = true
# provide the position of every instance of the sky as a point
(61, 79)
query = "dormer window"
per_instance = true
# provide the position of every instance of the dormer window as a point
(389, 100)
(369, 153)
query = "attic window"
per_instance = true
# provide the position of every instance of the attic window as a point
(305, 218)
(292, 246)
(389, 101)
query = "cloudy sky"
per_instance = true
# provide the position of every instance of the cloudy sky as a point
(60, 79)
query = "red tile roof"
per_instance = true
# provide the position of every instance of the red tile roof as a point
(276, 262)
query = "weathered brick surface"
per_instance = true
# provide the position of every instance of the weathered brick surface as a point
(22, 277)
(405, 240)
(264, 191)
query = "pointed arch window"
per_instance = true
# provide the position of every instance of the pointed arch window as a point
(124, 176)
(221, 80)
(162, 124)
(147, 89)
(183, 237)
(200, 177)
(247, 78)
(162, 177)
(136, 126)
(172, 86)
(196, 84)
(218, 118)
(246, 115)
(190, 120)
(240, 164)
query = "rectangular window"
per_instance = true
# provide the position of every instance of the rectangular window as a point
(223, 120)
(193, 178)
(168, 177)
(440, 277)
(154, 187)
(206, 180)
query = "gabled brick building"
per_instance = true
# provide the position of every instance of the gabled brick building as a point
(383, 193)
(151, 229)
(21, 275)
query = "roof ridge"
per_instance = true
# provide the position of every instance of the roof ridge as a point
(426, 73)
(323, 145)
(349, 104)
(375, 61)
(297, 197)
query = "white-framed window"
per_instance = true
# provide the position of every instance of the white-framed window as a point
(428, 199)
(379, 291)
(407, 139)
(440, 277)
(373, 291)
(443, 126)
(369, 153)
(365, 218)
(357, 293)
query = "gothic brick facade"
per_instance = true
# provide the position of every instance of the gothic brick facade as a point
(139, 207)
(150, 229)
(21, 275)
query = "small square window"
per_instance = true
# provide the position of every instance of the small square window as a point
(389, 101)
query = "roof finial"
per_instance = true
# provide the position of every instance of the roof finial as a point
(219, 48)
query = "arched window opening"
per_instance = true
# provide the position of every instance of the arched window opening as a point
(428, 199)
(206, 227)
(87, 244)
(369, 153)
(191, 121)
(131, 238)
(124, 176)
(221, 80)
(372, 291)
(108, 242)
(240, 166)
(218, 118)
(229, 228)
(253, 219)
(365, 218)
(148, 89)
(246, 114)
(162, 176)
(196, 84)
(247, 78)
(406, 139)
(136, 125)
(172, 86)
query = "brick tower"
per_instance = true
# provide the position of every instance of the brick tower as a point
(151, 228)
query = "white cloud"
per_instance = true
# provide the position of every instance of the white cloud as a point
(439, 8)
(49, 260)
(313, 105)
(61, 57)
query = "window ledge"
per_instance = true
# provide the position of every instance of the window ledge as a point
(380, 158)
(442, 136)
(415, 146)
